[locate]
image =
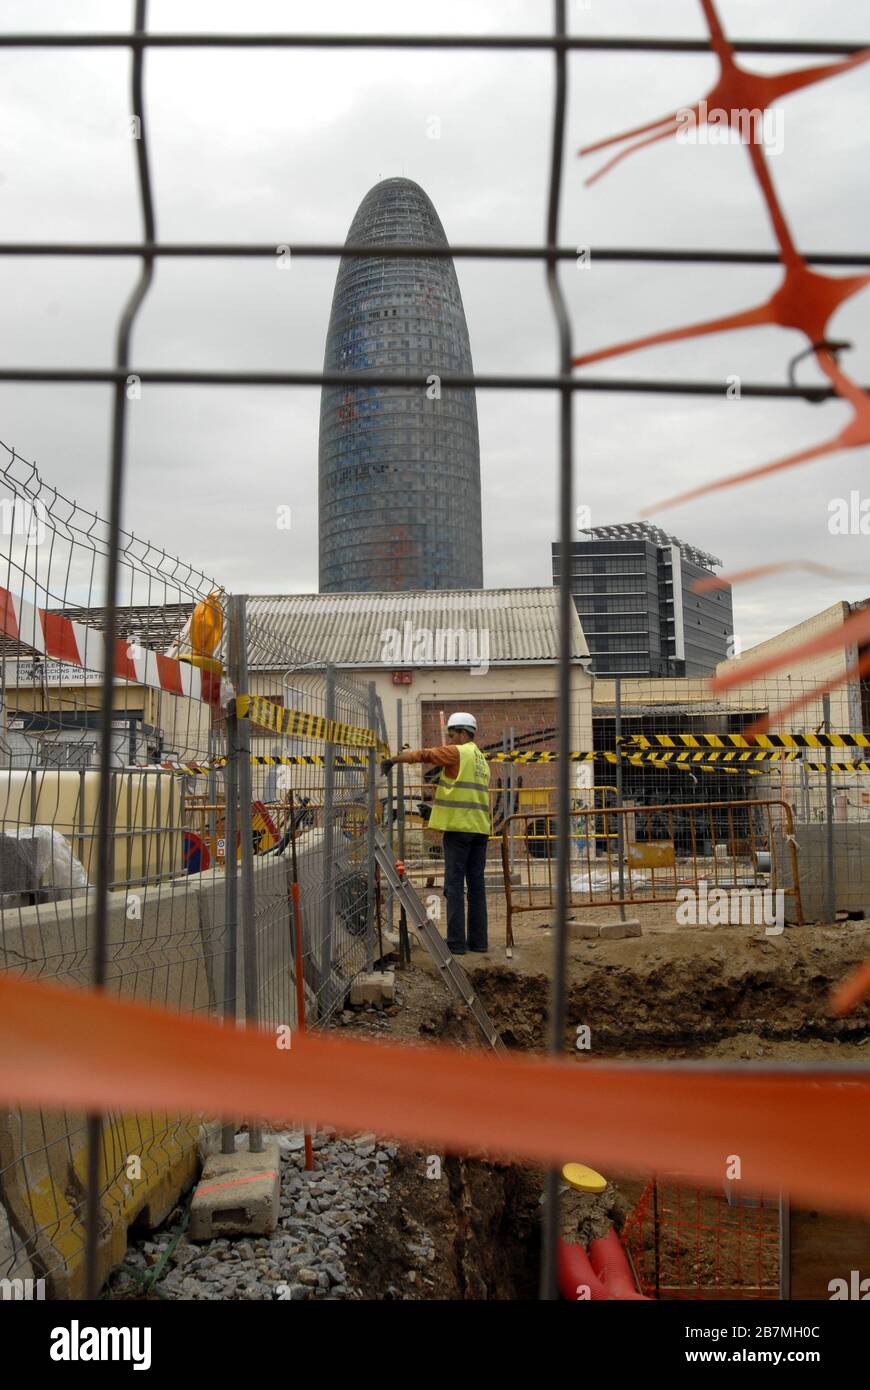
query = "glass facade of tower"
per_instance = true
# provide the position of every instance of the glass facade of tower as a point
(399, 469)
(633, 587)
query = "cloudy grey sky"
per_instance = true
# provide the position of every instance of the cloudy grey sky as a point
(282, 146)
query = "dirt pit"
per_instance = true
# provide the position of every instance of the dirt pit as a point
(453, 1228)
(462, 1228)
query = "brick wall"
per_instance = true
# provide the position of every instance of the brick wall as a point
(527, 715)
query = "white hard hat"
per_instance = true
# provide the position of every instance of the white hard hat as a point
(463, 721)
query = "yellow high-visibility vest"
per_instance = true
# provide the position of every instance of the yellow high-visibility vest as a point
(464, 803)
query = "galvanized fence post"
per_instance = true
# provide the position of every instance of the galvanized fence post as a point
(211, 783)
(246, 796)
(400, 782)
(830, 884)
(328, 851)
(513, 798)
(404, 943)
(370, 835)
(389, 811)
(506, 785)
(620, 827)
(231, 822)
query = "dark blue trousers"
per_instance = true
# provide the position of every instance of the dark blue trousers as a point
(464, 866)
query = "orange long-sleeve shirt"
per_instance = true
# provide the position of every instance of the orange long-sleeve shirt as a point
(447, 756)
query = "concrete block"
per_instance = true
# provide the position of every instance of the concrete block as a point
(373, 989)
(617, 931)
(851, 868)
(43, 1158)
(238, 1194)
(582, 931)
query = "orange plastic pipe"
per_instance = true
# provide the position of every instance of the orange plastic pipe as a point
(849, 994)
(602, 1275)
(610, 1262)
(578, 1282)
(82, 1050)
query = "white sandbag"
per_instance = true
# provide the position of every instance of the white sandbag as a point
(56, 865)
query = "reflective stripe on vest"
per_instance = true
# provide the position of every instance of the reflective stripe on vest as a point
(464, 804)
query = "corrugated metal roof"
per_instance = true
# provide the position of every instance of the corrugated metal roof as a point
(389, 629)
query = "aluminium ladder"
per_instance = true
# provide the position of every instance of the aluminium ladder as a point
(450, 970)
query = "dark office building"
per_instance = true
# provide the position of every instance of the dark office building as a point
(399, 468)
(632, 586)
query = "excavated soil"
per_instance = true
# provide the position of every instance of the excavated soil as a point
(472, 1232)
(692, 990)
(453, 1228)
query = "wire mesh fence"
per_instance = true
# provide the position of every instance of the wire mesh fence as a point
(218, 807)
(212, 818)
(741, 808)
(162, 946)
(314, 793)
(320, 814)
(51, 679)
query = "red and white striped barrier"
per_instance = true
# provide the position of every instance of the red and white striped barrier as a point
(62, 639)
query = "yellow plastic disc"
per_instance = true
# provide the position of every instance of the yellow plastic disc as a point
(583, 1179)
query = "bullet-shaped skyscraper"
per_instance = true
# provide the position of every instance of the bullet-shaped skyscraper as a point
(399, 468)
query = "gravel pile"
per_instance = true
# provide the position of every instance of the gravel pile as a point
(304, 1257)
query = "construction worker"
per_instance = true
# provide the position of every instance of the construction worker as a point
(461, 812)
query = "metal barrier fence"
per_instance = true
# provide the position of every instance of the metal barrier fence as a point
(204, 840)
(327, 792)
(163, 935)
(681, 743)
(635, 855)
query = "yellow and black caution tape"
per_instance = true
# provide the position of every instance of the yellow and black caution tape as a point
(295, 723)
(297, 760)
(837, 767)
(663, 760)
(640, 741)
(549, 756)
(519, 755)
(698, 767)
(309, 760)
(522, 756)
(726, 755)
(642, 757)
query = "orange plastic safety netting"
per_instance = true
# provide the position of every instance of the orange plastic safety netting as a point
(688, 1242)
(83, 1050)
(806, 299)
